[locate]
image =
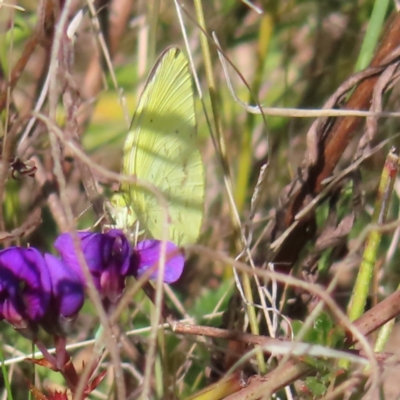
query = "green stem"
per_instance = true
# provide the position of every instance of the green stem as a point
(384, 333)
(153, 10)
(364, 277)
(215, 106)
(246, 152)
(372, 34)
(5, 375)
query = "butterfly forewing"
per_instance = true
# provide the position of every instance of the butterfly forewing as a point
(162, 149)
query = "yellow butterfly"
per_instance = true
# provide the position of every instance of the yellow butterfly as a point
(162, 149)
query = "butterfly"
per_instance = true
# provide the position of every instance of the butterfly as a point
(162, 149)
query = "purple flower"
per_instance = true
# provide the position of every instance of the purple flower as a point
(111, 259)
(25, 286)
(107, 256)
(147, 255)
(67, 288)
(37, 290)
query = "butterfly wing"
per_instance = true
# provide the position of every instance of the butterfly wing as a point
(162, 149)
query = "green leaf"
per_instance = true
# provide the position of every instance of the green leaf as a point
(207, 302)
(314, 386)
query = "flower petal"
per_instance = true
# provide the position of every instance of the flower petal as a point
(25, 284)
(68, 288)
(107, 256)
(148, 255)
(98, 248)
(65, 246)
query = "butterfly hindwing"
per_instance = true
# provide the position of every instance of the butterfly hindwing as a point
(162, 149)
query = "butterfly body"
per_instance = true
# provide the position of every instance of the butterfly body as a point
(161, 150)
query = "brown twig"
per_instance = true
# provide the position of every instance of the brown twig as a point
(42, 35)
(331, 146)
(293, 370)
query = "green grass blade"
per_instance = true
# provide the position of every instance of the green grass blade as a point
(364, 277)
(5, 375)
(372, 34)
